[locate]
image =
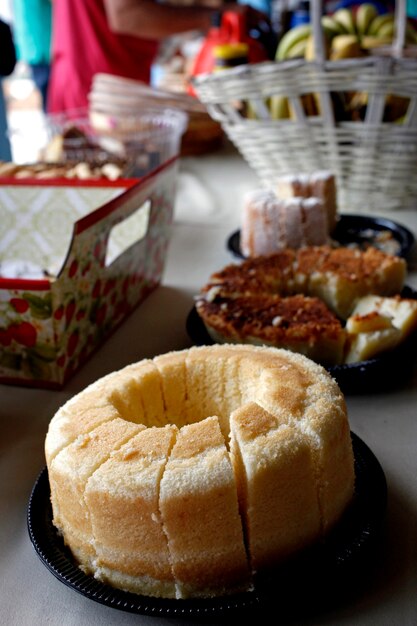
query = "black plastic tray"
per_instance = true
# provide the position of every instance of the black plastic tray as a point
(353, 229)
(348, 547)
(380, 373)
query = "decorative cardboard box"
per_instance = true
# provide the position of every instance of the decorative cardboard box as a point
(75, 260)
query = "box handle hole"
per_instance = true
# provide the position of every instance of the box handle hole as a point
(128, 232)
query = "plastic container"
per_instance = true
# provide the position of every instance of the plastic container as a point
(143, 141)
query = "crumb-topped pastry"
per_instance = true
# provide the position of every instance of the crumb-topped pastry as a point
(300, 323)
(339, 276)
(297, 299)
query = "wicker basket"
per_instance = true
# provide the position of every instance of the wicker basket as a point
(375, 162)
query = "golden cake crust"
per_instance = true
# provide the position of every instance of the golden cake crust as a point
(123, 494)
(196, 479)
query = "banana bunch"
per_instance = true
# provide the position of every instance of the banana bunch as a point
(293, 44)
(349, 34)
(366, 29)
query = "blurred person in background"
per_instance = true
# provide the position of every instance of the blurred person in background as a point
(412, 8)
(119, 37)
(32, 36)
(7, 64)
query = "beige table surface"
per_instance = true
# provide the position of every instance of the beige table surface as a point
(210, 194)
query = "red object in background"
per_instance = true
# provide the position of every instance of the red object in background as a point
(232, 29)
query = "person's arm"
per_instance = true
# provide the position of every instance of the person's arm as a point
(150, 20)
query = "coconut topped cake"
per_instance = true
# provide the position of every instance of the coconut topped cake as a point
(302, 300)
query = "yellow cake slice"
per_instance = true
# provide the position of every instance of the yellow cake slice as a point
(199, 508)
(384, 273)
(367, 322)
(301, 394)
(341, 276)
(337, 279)
(276, 485)
(378, 324)
(284, 389)
(331, 451)
(211, 384)
(197, 401)
(92, 408)
(71, 468)
(171, 367)
(401, 313)
(122, 497)
(144, 386)
(364, 346)
(126, 395)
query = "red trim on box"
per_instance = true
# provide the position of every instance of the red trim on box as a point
(28, 284)
(68, 182)
(108, 208)
(130, 184)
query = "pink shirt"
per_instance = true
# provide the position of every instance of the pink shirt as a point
(83, 45)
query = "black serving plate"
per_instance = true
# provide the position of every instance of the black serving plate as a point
(380, 373)
(360, 230)
(349, 546)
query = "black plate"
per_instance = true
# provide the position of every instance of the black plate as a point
(349, 546)
(380, 373)
(355, 229)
